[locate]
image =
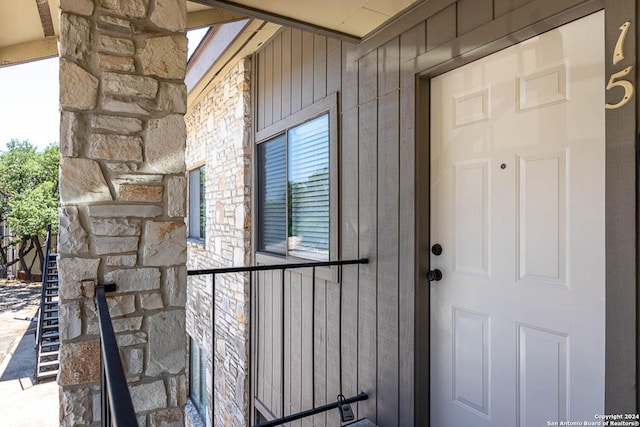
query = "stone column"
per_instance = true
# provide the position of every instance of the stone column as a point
(122, 186)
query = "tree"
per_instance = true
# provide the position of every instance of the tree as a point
(29, 198)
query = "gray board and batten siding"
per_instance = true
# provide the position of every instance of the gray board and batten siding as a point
(382, 102)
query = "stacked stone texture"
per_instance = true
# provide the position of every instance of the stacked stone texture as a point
(122, 187)
(218, 137)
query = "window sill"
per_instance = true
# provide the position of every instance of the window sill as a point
(198, 243)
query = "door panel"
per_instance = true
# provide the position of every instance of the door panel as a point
(471, 226)
(471, 360)
(541, 218)
(542, 376)
(517, 203)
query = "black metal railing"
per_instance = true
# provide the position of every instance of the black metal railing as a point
(43, 290)
(116, 404)
(314, 411)
(283, 267)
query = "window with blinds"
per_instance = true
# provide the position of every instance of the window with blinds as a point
(197, 204)
(308, 183)
(197, 378)
(272, 195)
(293, 184)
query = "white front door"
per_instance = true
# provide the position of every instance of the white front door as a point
(517, 205)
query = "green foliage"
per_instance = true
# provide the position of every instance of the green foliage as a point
(29, 188)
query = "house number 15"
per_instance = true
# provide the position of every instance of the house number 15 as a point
(616, 79)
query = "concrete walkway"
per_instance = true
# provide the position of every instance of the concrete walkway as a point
(22, 404)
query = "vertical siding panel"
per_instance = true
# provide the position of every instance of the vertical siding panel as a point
(287, 345)
(473, 13)
(260, 89)
(349, 79)
(504, 6)
(307, 69)
(262, 353)
(286, 72)
(254, 353)
(419, 44)
(307, 354)
(389, 67)
(320, 347)
(367, 194)
(441, 27)
(350, 226)
(333, 350)
(334, 81)
(277, 77)
(319, 67)
(349, 223)
(411, 45)
(367, 295)
(388, 189)
(367, 78)
(296, 346)
(296, 70)
(334, 65)
(268, 345)
(268, 84)
(621, 386)
(276, 321)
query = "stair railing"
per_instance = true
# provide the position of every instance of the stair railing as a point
(116, 403)
(43, 272)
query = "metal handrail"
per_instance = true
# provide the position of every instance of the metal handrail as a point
(43, 272)
(117, 406)
(287, 266)
(314, 411)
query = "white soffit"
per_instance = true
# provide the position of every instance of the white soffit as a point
(352, 17)
(29, 28)
(20, 21)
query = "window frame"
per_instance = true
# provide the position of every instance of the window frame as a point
(199, 404)
(200, 239)
(327, 105)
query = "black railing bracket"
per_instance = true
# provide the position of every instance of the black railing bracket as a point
(108, 287)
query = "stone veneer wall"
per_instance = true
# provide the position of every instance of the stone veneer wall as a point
(122, 187)
(218, 137)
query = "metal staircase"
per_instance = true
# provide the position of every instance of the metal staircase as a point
(48, 334)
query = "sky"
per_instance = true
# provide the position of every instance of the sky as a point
(29, 103)
(29, 99)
